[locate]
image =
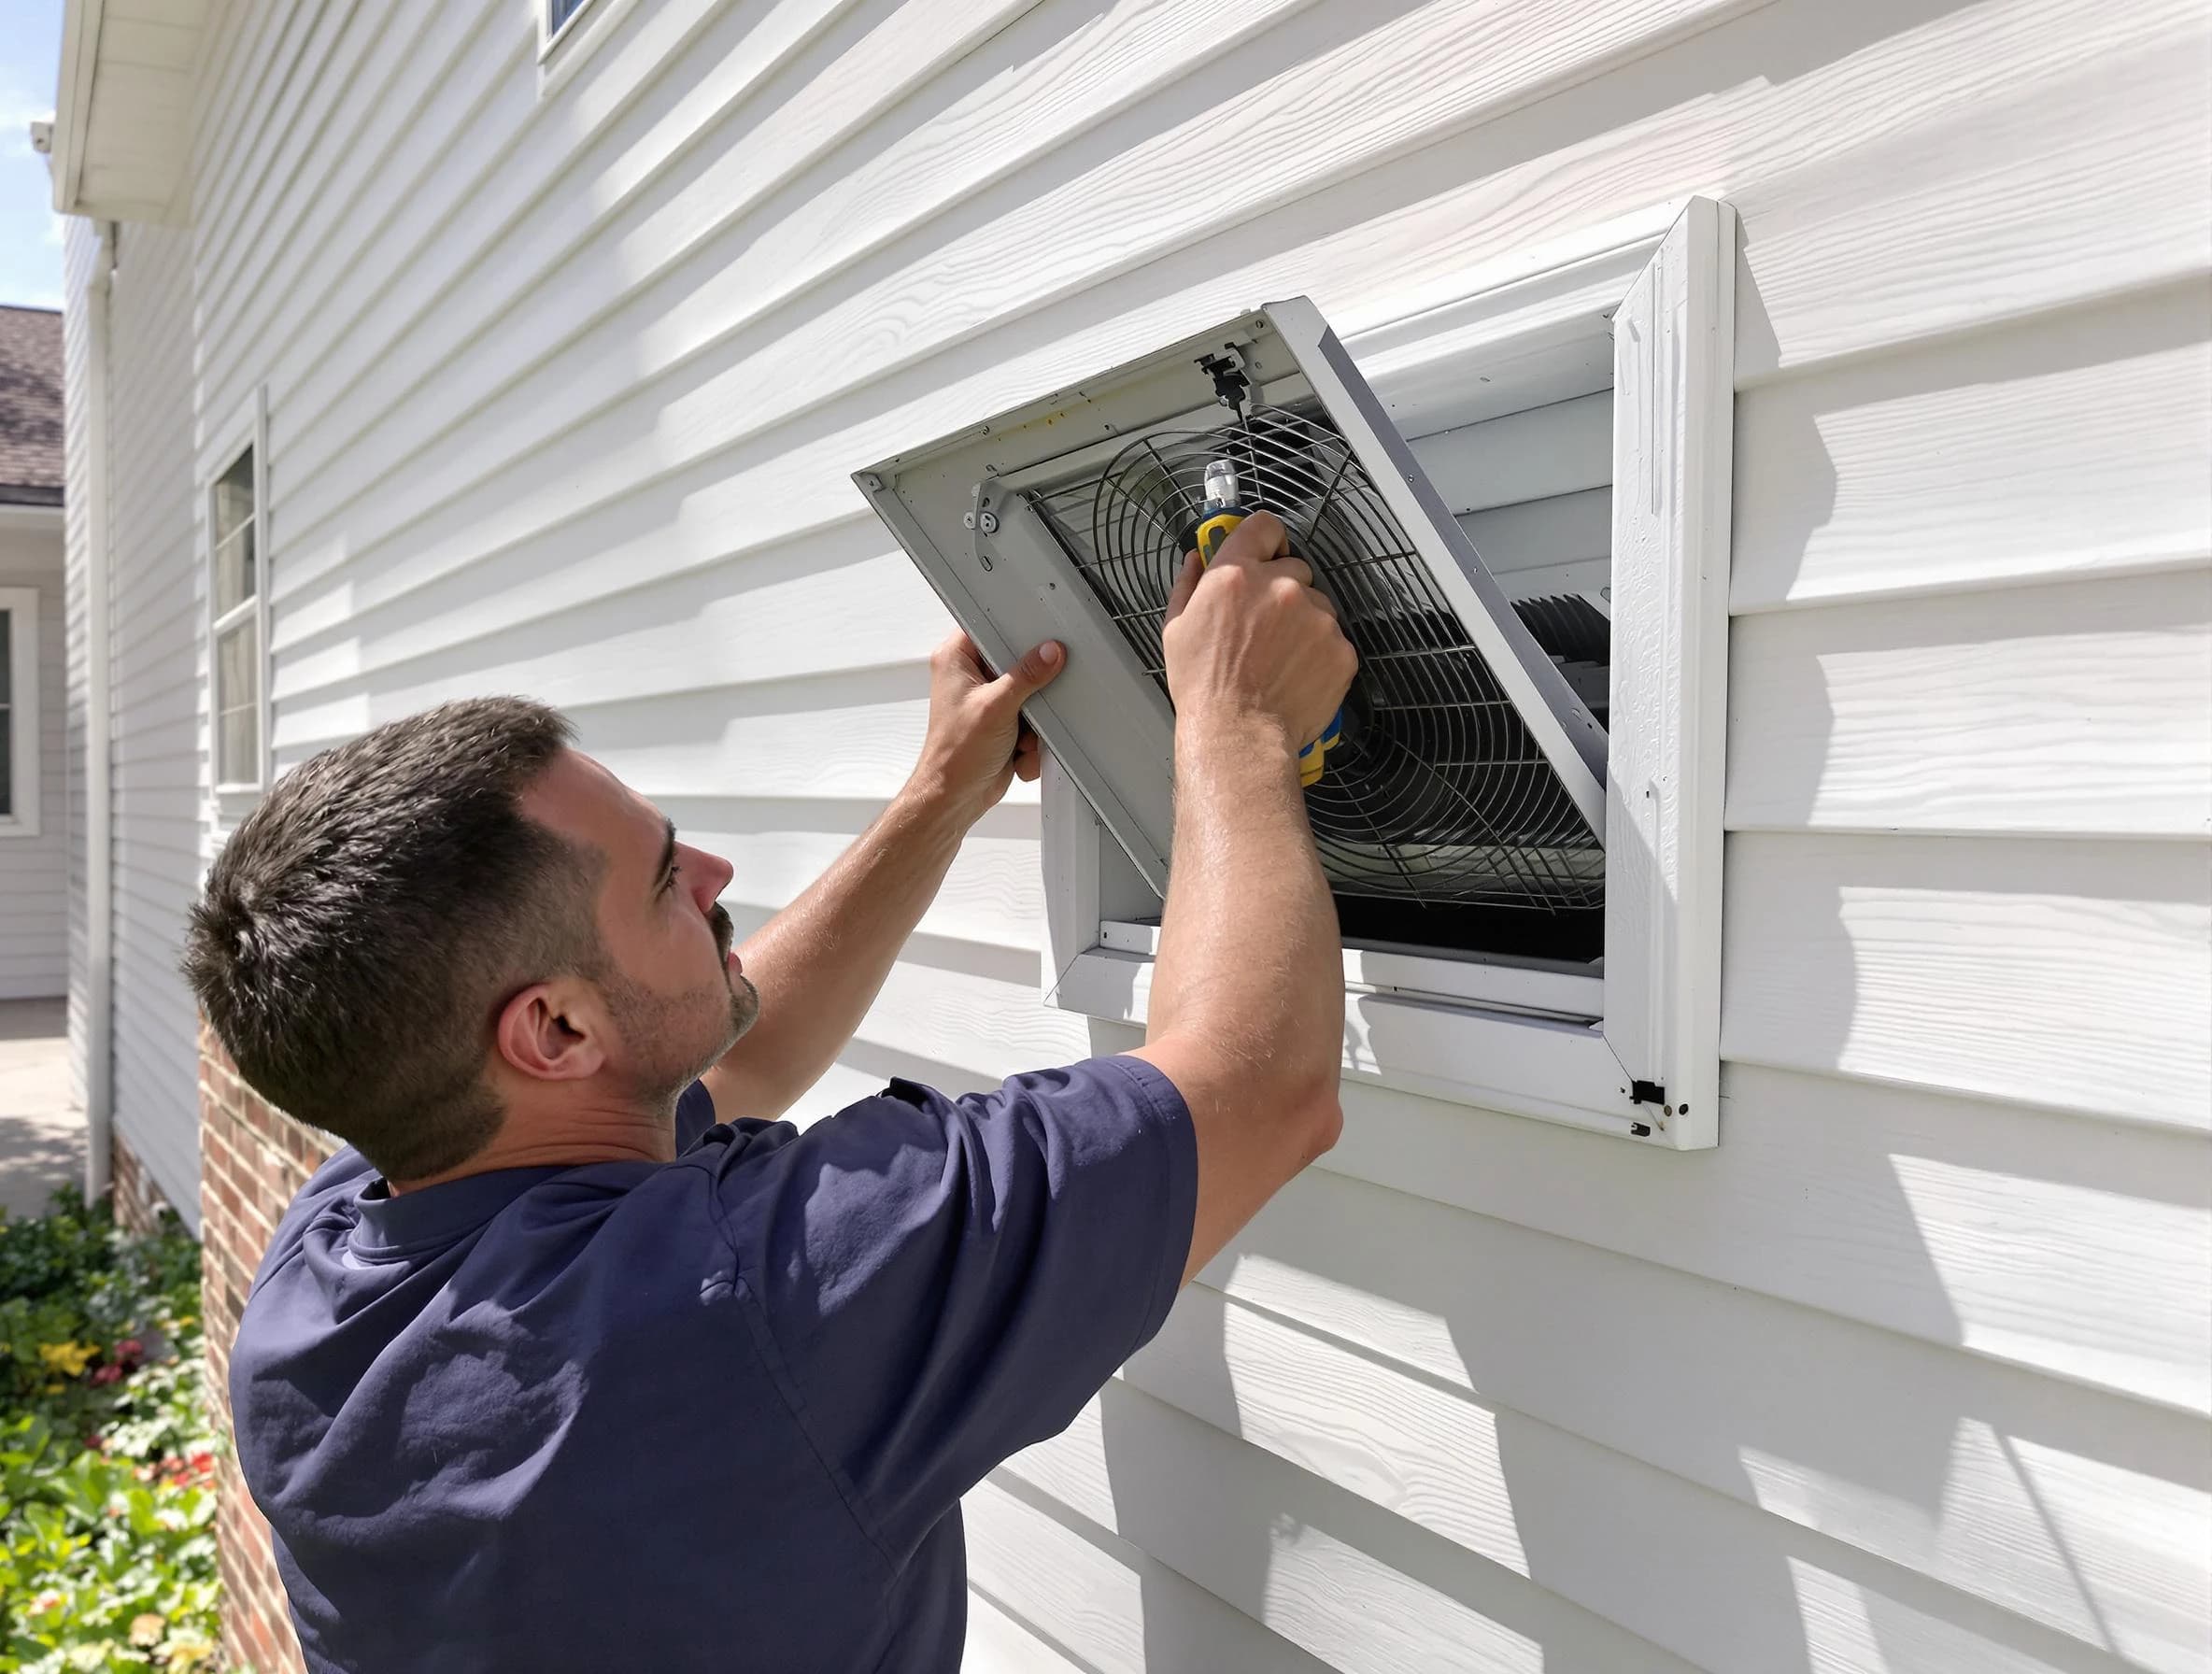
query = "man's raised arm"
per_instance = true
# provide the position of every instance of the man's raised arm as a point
(1247, 1008)
(819, 962)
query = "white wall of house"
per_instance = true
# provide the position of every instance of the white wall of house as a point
(152, 753)
(565, 368)
(34, 868)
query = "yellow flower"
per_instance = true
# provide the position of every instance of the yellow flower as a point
(189, 1652)
(53, 1389)
(68, 1358)
(147, 1629)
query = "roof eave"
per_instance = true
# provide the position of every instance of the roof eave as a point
(78, 118)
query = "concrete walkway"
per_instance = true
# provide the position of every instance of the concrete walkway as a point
(41, 1128)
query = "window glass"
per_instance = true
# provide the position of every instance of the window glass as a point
(235, 580)
(559, 11)
(237, 721)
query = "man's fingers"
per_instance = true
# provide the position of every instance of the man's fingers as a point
(1186, 583)
(1034, 672)
(1259, 538)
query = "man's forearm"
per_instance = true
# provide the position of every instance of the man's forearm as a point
(819, 962)
(1249, 949)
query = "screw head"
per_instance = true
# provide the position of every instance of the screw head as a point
(871, 482)
(988, 523)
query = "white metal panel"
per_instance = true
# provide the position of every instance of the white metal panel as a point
(1673, 432)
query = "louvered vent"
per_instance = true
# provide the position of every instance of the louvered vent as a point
(1438, 812)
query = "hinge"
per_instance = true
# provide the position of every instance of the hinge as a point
(1646, 1092)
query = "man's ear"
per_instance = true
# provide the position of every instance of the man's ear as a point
(552, 1031)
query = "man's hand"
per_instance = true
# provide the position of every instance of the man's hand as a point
(977, 743)
(1248, 638)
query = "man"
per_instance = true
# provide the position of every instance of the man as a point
(575, 1357)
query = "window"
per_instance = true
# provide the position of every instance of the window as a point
(558, 15)
(18, 712)
(1530, 895)
(238, 621)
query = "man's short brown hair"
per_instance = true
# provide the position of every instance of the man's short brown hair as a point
(363, 928)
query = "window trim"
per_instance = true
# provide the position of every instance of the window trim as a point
(24, 763)
(1647, 1066)
(249, 429)
(550, 34)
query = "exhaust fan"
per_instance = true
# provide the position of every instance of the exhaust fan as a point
(1462, 809)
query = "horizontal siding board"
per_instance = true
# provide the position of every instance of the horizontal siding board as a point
(2072, 1247)
(883, 58)
(997, 1643)
(2078, 710)
(1712, 1584)
(2069, 445)
(1866, 246)
(2076, 977)
(1903, 1449)
(808, 608)
(1108, 1604)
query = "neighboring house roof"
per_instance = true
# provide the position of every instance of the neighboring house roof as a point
(30, 406)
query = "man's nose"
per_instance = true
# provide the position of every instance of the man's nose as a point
(711, 874)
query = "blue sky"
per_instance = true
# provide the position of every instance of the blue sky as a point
(30, 232)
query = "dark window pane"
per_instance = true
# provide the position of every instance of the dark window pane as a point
(559, 11)
(7, 651)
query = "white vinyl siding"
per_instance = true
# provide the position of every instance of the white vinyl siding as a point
(1910, 1371)
(156, 624)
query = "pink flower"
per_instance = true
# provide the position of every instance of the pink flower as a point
(107, 1375)
(130, 1348)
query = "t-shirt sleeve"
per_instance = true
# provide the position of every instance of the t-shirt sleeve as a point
(943, 1281)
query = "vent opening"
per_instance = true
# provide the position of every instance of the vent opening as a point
(1440, 823)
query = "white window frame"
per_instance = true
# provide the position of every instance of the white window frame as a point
(249, 429)
(562, 49)
(1635, 1052)
(21, 605)
(552, 35)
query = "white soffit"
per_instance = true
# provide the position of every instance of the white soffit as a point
(123, 109)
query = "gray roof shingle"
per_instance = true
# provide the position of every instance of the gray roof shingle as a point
(30, 406)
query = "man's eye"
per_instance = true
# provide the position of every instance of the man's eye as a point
(669, 882)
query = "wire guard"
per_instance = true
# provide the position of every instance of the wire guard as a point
(1437, 795)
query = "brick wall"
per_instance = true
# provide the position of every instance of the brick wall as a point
(138, 1202)
(254, 1160)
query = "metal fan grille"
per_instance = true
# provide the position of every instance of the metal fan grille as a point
(1437, 795)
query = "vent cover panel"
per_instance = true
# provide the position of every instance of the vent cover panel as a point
(1439, 795)
(1463, 810)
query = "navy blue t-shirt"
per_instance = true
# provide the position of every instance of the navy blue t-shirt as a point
(714, 1413)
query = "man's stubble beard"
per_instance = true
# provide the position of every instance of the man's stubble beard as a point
(654, 1027)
